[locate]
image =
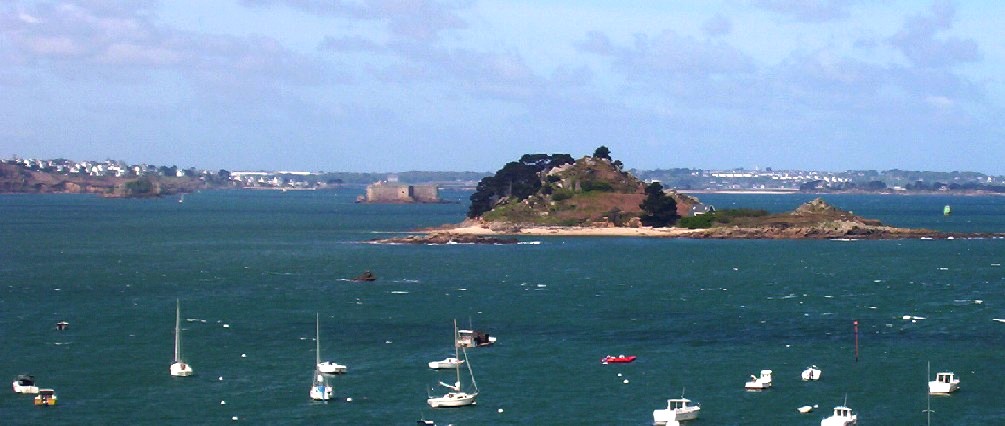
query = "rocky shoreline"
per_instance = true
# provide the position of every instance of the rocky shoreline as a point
(815, 220)
(445, 238)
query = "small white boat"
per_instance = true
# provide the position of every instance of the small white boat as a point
(25, 383)
(327, 367)
(449, 362)
(811, 373)
(843, 416)
(806, 408)
(759, 383)
(456, 397)
(945, 383)
(179, 368)
(678, 410)
(321, 390)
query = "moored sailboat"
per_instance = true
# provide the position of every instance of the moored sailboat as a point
(456, 396)
(179, 368)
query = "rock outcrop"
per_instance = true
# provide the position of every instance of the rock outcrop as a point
(445, 238)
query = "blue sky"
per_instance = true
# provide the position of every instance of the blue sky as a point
(396, 85)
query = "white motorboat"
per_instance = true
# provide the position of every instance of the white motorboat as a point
(449, 362)
(759, 383)
(321, 390)
(843, 416)
(327, 367)
(25, 383)
(811, 373)
(457, 396)
(678, 410)
(179, 368)
(945, 383)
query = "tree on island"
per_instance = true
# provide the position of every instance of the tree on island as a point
(658, 209)
(517, 179)
(602, 153)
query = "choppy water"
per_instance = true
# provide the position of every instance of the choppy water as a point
(700, 315)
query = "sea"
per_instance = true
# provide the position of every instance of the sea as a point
(251, 269)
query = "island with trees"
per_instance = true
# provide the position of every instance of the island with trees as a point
(554, 194)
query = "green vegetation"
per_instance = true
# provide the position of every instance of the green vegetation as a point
(720, 217)
(658, 209)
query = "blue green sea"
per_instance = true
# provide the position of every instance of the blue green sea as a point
(251, 269)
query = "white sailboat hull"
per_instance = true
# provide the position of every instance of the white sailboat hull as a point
(321, 393)
(452, 399)
(181, 369)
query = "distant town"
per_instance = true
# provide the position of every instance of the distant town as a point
(26, 175)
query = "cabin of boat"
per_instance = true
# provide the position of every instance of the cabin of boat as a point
(843, 416)
(620, 359)
(759, 383)
(944, 383)
(811, 373)
(45, 397)
(25, 383)
(678, 409)
(473, 338)
(62, 325)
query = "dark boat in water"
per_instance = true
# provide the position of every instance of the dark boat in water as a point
(365, 276)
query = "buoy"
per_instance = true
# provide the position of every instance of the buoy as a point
(619, 374)
(226, 326)
(500, 410)
(234, 418)
(243, 356)
(221, 378)
(626, 381)
(348, 400)
(223, 402)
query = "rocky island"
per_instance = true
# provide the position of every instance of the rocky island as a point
(554, 195)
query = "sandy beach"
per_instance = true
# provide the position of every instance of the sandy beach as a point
(572, 231)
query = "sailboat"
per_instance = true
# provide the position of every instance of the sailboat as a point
(179, 368)
(327, 367)
(321, 390)
(456, 396)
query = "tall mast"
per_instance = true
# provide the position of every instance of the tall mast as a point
(457, 365)
(177, 331)
(317, 336)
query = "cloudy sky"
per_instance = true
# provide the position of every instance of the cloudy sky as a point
(396, 85)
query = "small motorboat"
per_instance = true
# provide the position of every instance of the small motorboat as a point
(474, 338)
(25, 383)
(759, 383)
(449, 362)
(945, 383)
(843, 416)
(678, 410)
(45, 397)
(811, 373)
(620, 359)
(806, 408)
(365, 276)
(62, 325)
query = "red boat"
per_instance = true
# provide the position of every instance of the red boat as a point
(620, 359)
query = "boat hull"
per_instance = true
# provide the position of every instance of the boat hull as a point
(446, 364)
(321, 393)
(181, 369)
(332, 368)
(453, 399)
(665, 416)
(942, 388)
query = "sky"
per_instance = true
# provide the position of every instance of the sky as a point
(468, 85)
